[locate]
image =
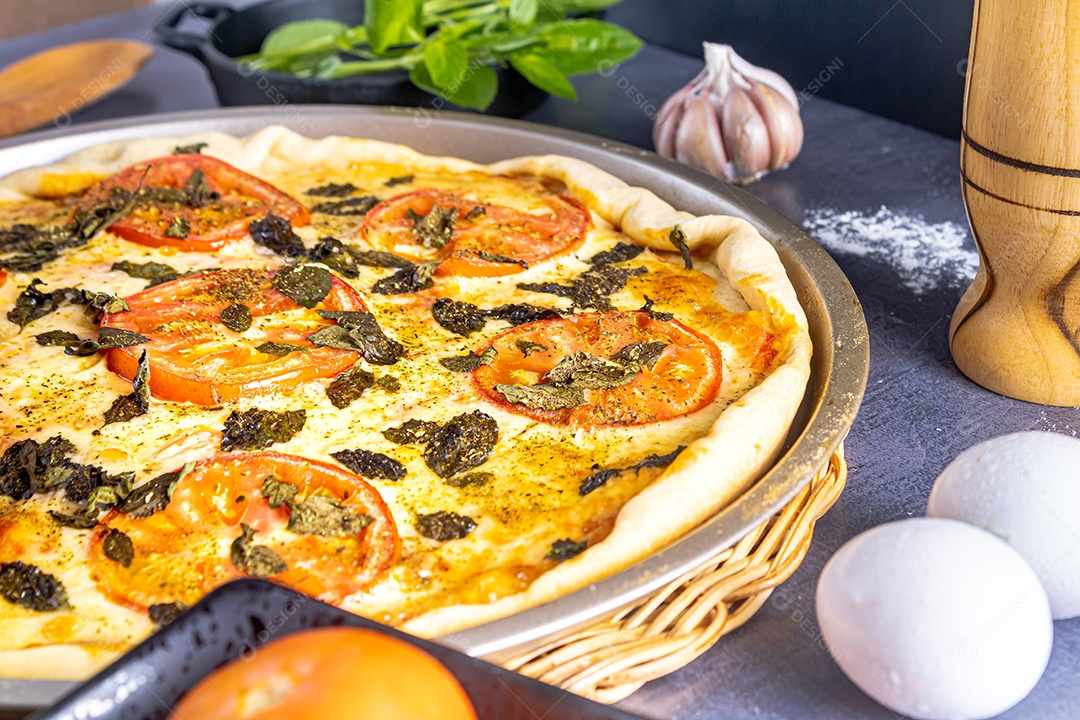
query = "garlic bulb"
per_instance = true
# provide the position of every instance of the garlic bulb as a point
(735, 120)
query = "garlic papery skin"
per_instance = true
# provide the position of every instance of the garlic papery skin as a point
(735, 121)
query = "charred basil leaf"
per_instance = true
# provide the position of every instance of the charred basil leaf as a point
(276, 234)
(563, 550)
(108, 339)
(445, 525)
(236, 317)
(435, 229)
(592, 288)
(473, 479)
(151, 496)
(31, 304)
(60, 338)
(678, 239)
(639, 355)
(411, 432)
(118, 546)
(109, 494)
(584, 370)
(388, 383)
(600, 477)
(521, 313)
(26, 248)
(458, 317)
(180, 227)
(97, 303)
(349, 386)
(279, 349)
(543, 397)
(620, 253)
(335, 190)
(528, 347)
(257, 561)
(655, 314)
(79, 522)
(278, 492)
(477, 212)
(25, 465)
(379, 258)
(370, 464)
(399, 180)
(334, 254)
(469, 362)
(465, 442)
(406, 280)
(358, 331)
(126, 407)
(493, 257)
(165, 613)
(256, 428)
(348, 206)
(88, 222)
(323, 515)
(27, 586)
(156, 273)
(306, 285)
(193, 149)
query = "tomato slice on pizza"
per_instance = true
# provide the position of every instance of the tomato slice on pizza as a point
(226, 334)
(193, 203)
(303, 523)
(601, 368)
(470, 238)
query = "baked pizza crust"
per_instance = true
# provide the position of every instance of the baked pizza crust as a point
(710, 473)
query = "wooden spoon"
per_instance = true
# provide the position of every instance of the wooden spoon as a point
(53, 84)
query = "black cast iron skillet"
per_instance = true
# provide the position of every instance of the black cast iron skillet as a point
(228, 33)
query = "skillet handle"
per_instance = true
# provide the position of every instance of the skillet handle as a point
(167, 28)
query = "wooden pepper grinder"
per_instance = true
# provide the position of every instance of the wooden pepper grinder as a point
(1016, 330)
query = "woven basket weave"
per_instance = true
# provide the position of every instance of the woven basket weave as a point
(612, 659)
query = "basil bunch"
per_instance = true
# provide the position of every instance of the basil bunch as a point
(450, 46)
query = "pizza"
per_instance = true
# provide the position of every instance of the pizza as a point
(428, 391)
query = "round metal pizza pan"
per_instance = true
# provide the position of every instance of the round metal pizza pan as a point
(838, 328)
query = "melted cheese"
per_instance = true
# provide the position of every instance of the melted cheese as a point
(533, 499)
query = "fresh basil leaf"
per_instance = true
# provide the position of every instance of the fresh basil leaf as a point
(393, 22)
(447, 62)
(579, 46)
(306, 285)
(476, 92)
(543, 73)
(522, 13)
(293, 37)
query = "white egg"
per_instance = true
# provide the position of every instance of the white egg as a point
(935, 619)
(1024, 488)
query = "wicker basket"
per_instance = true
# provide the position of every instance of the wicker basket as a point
(612, 659)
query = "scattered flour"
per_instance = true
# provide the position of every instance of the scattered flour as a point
(924, 255)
